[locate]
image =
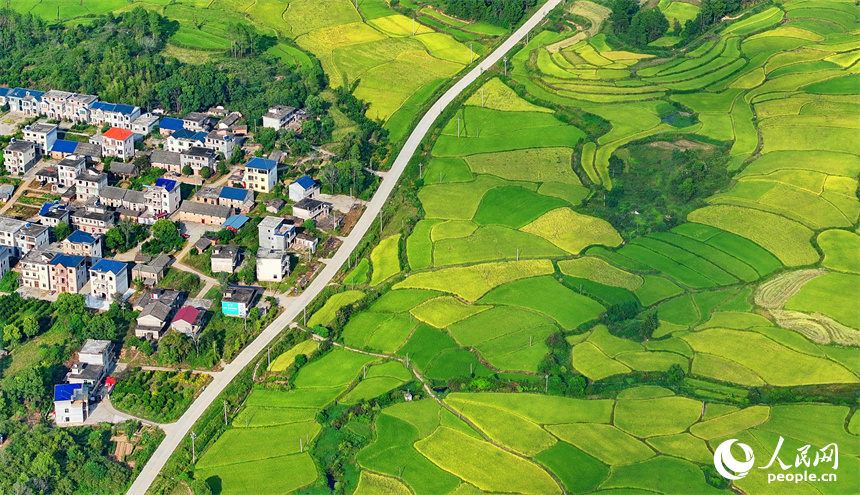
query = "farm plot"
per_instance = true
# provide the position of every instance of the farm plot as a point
(496, 95)
(533, 165)
(326, 314)
(286, 359)
(573, 231)
(385, 259)
(546, 295)
(833, 294)
(840, 250)
(600, 271)
(491, 243)
(472, 282)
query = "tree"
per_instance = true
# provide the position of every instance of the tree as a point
(622, 13)
(205, 172)
(200, 487)
(647, 26)
(173, 347)
(267, 136)
(11, 334)
(676, 374)
(187, 170)
(62, 230)
(31, 326)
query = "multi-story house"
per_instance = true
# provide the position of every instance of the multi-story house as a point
(5, 260)
(183, 140)
(89, 183)
(51, 214)
(19, 156)
(241, 199)
(275, 233)
(222, 142)
(108, 277)
(273, 265)
(224, 258)
(197, 122)
(32, 236)
(113, 115)
(69, 169)
(26, 102)
(71, 403)
(197, 158)
(163, 198)
(36, 269)
(303, 187)
(261, 175)
(44, 135)
(62, 105)
(237, 301)
(68, 273)
(168, 160)
(118, 142)
(80, 243)
(94, 220)
(169, 125)
(144, 124)
(279, 116)
(311, 209)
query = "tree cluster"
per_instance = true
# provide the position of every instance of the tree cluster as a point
(637, 27)
(504, 13)
(126, 235)
(165, 238)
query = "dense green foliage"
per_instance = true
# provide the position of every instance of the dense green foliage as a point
(160, 396)
(118, 57)
(126, 235)
(504, 13)
(165, 238)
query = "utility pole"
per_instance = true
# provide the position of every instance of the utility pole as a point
(365, 371)
(518, 254)
(440, 177)
(506, 65)
(420, 170)
(458, 127)
(471, 54)
(413, 26)
(225, 413)
(269, 353)
(193, 450)
(301, 447)
(482, 97)
(407, 359)
(547, 384)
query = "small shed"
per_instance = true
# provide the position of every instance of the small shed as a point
(235, 222)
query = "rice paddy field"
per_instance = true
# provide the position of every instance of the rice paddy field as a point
(752, 296)
(394, 61)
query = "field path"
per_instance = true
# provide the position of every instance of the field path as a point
(182, 428)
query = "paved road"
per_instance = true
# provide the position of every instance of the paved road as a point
(181, 428)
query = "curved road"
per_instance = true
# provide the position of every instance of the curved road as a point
(181, 428)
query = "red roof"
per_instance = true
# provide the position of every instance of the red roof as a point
(110, 381)
(117, 133)
(188, 314)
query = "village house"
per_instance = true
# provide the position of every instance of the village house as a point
(197, 158)
(62, 105)
(237, 301)
(124, 170)
(188, 321)
(163, 198)
(240, 199)
(222, 142)
(81, 243)
(274, 205)
(62, 149)
(26, 102)
(168, 160)
(108, 277)
(35, 269)
(6, 192)
(273, 265)
(169, 125)
(48, 175)
(197, 122)
(68, 273)
(94, 220)
(120, 198)
(304, 241)
(156, 309)
(19, 156)
(303, 187)
(50, 215)
(208, 194)
(89, 183)
(261, 175)
(119, 143)
(192, 211)
(149, 274)
(229, 121)
(5, 260)
(279, 117)
(44, 135)
(29, 236)
(275, 233)
(224, 258)
(69, 169)
(183, 139)
(144, 124)
(113, 115)
(91, 152)
(71, 403)
(311, 209)
(95, 362)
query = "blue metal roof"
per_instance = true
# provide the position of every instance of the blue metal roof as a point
(305, 181)
(21, 93)
(63, 146)
(170, 124)
(186, 134)
(65, 391)
(106, 265)
(233, 193)
(81, 237)
(5, 91)
(67, 260)
(235, 222)
(261, 163)
(165, 183)
(48, 206)
(114, 107)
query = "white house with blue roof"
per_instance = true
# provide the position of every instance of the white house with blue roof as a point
(82, 243)
(27, 102)
(303, 187)
(113, 114)
(169, 125)
(163, 198)
(261, 174)
(183, 140)
(71, 403)
(108, 277)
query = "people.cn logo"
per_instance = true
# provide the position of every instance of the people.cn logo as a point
(723, 459)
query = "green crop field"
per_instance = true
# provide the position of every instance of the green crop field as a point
(358, 275)
(400, 301)
(286, 359)
(385, 259)
(326, 314)
(442, 312)
(546, 295)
